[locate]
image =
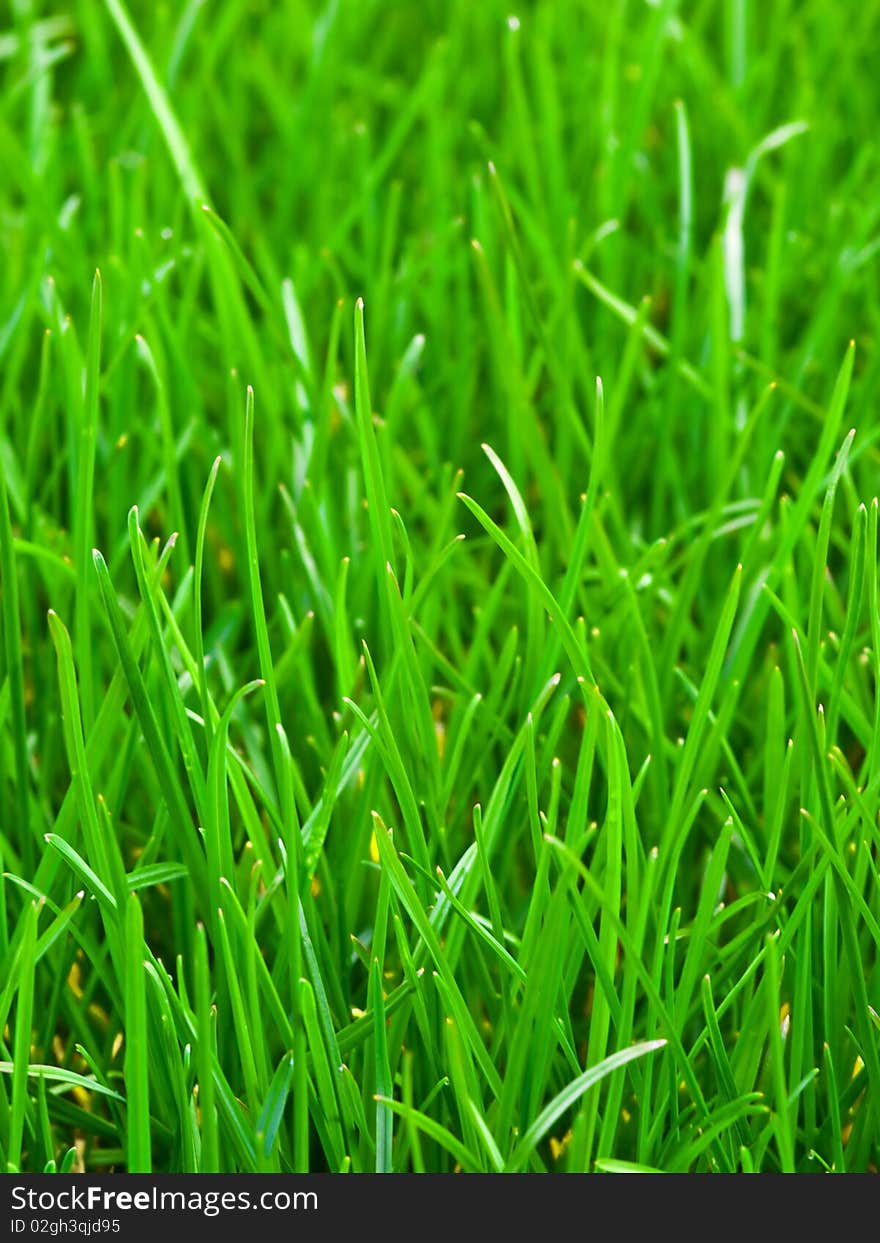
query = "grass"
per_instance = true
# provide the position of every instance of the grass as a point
(415, 754)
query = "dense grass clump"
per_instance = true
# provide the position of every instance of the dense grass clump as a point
(415, 753)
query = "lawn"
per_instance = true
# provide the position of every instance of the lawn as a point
(439, 717)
